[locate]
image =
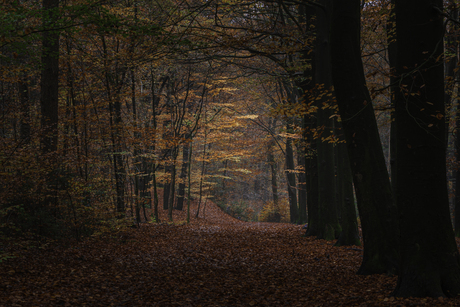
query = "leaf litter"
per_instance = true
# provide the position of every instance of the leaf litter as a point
(215, 261)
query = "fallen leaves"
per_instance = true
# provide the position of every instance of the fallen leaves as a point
(215, 261)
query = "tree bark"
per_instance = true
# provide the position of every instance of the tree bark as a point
(328, 223)
(302, 181)
(377, 210)
(294, 212)
(274, 183)
(430, 262)
(24, 129)
(451, 75)
(457, 175)
(346, 201)
(183, 176)
(49, 105)
(49, 84)
(172, 186)
(311, 165)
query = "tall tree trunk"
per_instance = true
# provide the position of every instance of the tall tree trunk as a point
(311, 164)
(293, 209)
(24, 129)
(430, 262)
(167, 184)
(172, 186)
(346, 201)
(392, 56)
(457, 174)
(137, 160)
(183, 176)
(451, 74)
(49, 84)
(49, 102)
(189, 182)
(153, 148)
(302, 181)
(113, 87)
(328, 223)
(203, 165)
(377, 210)
(274, 183)
(307, 16)
(118, 157)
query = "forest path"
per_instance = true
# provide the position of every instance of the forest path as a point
(206, 263)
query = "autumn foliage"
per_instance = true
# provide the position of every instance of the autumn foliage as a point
(198, 152)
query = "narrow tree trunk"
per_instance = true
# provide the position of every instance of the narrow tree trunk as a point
(172, 185)
(49, 84)
(274, 183)
(153, 149)
(294, 211)
(189, 183)
(311, 164)
(430, 262)
(307, 16)
(377, 210)
(302, 182)
(118, 158)
(457, 174)
(49, 102)
(203, 166)
(24, 129)
(451, 75)
(392, 56)
(183, 176)
(166, 187)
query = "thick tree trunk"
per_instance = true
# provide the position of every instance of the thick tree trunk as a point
(377, 210)
(328, 223)
(349, 223)
(430, 262)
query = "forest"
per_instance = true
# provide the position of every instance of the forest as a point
(149, 148)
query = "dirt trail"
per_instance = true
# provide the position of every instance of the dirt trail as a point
(215, 261)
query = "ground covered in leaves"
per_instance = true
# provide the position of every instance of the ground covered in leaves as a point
(214, 261)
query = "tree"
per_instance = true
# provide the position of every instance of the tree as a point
(328, 223)
(50, 77)
(376, 207)
(430, 262)
(346, 199)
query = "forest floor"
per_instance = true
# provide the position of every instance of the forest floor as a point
(215, 261)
